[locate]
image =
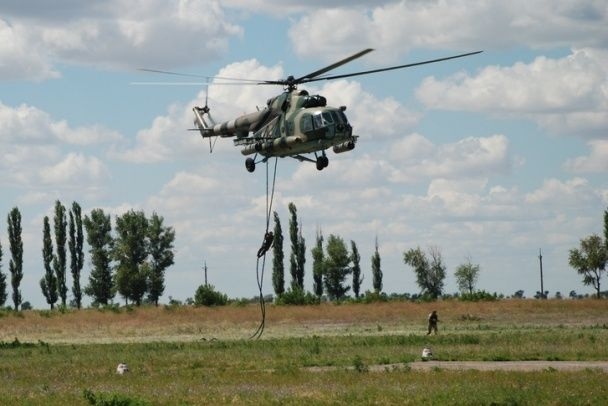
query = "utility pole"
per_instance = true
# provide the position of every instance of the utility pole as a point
(542, 289)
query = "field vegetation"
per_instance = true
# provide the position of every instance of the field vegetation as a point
(328, 353)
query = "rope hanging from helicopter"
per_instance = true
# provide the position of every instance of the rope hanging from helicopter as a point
(266, 243)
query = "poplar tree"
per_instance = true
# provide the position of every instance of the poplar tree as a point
(376, 271)
(75, 244)
(16, 248)
(98, 229)
(3, 294)
(48, 283)
(318, 265)
(301, 258)
(293, 237)
(356, 269)
(278, 267)
(160, 246)
(59, 261)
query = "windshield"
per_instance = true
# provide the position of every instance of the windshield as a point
(322, 119)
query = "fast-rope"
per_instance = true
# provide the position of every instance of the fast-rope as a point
(260, 272)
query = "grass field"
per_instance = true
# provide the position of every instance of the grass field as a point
(307, 355)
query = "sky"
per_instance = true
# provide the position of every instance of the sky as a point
(488, 158)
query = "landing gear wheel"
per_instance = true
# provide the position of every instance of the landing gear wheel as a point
(322, 162)
(250, 164)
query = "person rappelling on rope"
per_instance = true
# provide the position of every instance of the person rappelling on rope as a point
(268, 239)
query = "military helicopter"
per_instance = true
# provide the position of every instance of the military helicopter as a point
(295, 122)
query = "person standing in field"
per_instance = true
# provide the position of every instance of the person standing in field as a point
(433, 319)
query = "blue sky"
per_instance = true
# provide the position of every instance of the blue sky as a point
(490, 157)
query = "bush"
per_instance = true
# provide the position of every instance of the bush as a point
(206, 295)
(111, 399)
(373, 297)
(297, 297)
(479, 296)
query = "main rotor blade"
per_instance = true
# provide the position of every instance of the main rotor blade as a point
(194, 75)
(367, 72)
(334, 65)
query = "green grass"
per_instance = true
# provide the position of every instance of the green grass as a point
(278, 370)
(349, 354)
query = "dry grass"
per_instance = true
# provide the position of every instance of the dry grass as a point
(236, 322)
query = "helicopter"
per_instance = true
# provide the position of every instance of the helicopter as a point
(294, 123)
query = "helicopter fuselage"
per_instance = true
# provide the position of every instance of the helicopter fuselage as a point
(291, 124)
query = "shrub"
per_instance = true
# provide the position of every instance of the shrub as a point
(373, 297)
(479, 296)
(206, 295)
(111, 399)
(297, 296)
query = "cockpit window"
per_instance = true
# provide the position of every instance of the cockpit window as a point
(306, 123)
(318, 120)
(322, 119)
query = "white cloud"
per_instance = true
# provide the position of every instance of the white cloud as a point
(596, 161)
(27, 125)
(401, 26)
(112, 34)
(554, 190)
(569, 94)
(73, 170)
(19, 58)
(35, 148)
(470, 157)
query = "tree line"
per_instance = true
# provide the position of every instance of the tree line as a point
(131, 261)
(333, 264)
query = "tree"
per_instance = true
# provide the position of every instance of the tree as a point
(130, 252)
(376, 271)
(590, 261)
(318, 265)
(16, 247)
(298, 250)
(278, 267)
(356, 269)
(293, 237)
(48, 283)
(606, 228)
(429, 273)
(3, 294)
(301, 258)
(206, 295)
(160, 246)
(75, 244)
(98, 229)
(59, 261)
(466, 276)
(336, 268)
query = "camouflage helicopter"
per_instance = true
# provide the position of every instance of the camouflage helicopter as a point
(295, 122)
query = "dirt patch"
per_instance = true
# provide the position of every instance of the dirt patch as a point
(524, 366)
